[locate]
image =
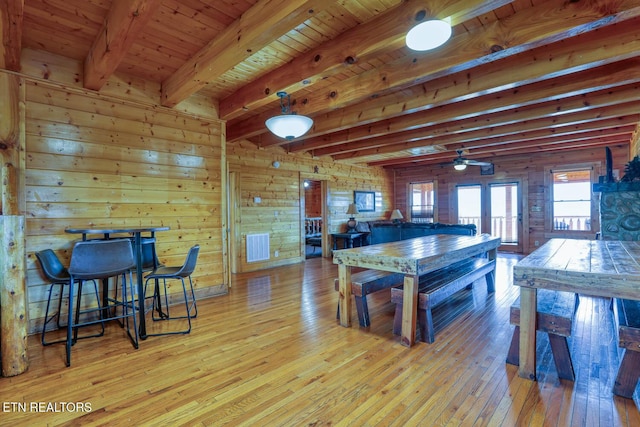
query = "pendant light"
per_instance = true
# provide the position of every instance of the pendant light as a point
(288, 125)
(428, 35)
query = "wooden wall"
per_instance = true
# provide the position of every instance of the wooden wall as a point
(115, 158)
(96, 161)
(281, 209)
(529, 169)
(313, 199)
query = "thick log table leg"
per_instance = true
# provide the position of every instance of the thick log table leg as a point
(344, 294)
(528, 311)
(409, 310)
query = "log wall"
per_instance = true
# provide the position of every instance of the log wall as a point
(280, 211)
(530, 170)
(96, 161)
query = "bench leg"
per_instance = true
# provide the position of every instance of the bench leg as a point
(491, 281)
(561, 357)
(628, 374)
(363, 311)
(397, 320)
(425, 324)
(513, 356)
(559, 349)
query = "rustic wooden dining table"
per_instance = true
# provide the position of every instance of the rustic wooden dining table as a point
(413, 258)
(136, 232)
(590, 267)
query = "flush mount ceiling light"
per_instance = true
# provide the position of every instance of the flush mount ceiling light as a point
(428, 35)
(288, 125)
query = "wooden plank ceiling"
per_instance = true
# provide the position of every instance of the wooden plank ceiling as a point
(516, 77)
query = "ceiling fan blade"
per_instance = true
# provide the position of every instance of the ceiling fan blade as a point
(476, 163)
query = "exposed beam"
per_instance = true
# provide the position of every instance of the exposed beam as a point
(529, 138)
(266, 21)
(592, 80)
(124, 23)
(384, 33)
(584, 120)
(623, 98)
(11, 13)
(588, 48)
(552, 144)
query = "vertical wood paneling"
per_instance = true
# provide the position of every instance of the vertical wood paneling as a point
(279, 211)
(530, 169)
(102, 162)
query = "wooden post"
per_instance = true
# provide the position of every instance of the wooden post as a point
(13, 307)
(13, 297)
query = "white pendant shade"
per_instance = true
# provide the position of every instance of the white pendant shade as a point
(460, 167)
(428, 35)
(289, 126)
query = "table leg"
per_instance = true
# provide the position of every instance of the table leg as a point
(344, 294)
(528, 305)
(142, 327)
(409, 310)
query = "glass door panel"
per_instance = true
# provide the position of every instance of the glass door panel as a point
(505, 217)
(470, 205)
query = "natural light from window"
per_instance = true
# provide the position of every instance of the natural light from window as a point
(572, 200)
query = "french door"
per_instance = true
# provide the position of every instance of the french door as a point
(494, 208)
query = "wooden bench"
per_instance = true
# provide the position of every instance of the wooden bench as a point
(627, 316)
(555, 313)
(366, 282)
(437, 286)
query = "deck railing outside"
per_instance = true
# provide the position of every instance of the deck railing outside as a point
(503, 227)
(582, 223)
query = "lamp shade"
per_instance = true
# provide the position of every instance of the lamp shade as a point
(460, 167)
(396, 214)
(353, 209)
(289, 126)
(428, 35)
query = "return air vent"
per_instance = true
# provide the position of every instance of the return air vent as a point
(257, 247)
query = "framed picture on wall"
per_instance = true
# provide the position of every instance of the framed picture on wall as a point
(365, 200)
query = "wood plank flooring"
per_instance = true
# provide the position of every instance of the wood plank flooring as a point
(271, 353)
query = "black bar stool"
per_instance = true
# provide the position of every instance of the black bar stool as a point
(99, 260)
(175, 273)
(58, 276)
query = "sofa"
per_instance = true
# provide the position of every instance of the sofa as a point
(383, 231)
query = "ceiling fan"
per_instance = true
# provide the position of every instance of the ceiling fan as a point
(461, 163)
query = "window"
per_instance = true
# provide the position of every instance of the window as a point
(422, 201)
(571, 196)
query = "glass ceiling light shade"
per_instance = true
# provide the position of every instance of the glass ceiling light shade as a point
(288, 125)
(428, 35)
(460, 167)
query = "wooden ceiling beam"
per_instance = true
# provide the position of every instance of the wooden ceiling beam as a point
(11, 15)
(507, 149)
(124, 23)
(466, 112)
(578, 122)
(532, 138)
(266, 21)
(515, 67)
(384, 33)
(621, 101)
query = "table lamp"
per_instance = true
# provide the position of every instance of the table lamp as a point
(396, 216)
(351, 224)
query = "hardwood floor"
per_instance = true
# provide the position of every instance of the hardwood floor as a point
(272, 354)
